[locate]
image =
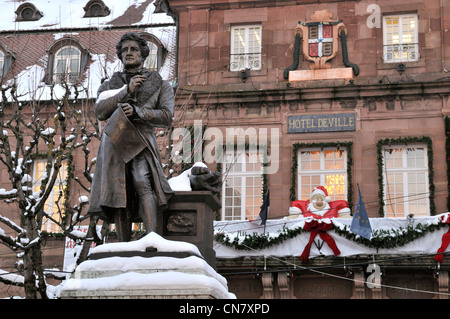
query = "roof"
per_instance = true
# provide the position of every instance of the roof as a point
(30, 41)
(69, 15)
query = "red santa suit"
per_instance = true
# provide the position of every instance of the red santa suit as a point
(330, 209)
(337, 208)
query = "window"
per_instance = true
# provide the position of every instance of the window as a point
(67, 65)
(157, 52)
(322, 167)
(405, 179)
(242, 186)
(96, 8)
(245, 48)
(67, 59)
(56, 196)
(28, 12)
(151, 62)
(400, 38)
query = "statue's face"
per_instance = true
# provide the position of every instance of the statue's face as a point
(318, 201)
(131, 54)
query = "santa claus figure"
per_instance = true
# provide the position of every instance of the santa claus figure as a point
(319, 206)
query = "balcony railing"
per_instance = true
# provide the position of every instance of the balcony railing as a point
(244, 61)
(401, 52)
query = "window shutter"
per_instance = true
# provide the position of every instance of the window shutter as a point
(8, 61)
(49, 75)
(84, 61)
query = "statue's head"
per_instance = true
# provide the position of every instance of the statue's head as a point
(132, 39)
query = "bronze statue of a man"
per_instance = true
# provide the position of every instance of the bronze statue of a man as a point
(129, 183)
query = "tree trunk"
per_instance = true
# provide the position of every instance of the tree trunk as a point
(29, 278)
(42, 285)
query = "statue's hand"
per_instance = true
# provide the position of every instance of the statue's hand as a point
(135, 82)
(127, 109)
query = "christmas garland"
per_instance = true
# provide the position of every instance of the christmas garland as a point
(381, 238)
(447, 153)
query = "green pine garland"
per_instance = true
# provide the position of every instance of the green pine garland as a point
(447, 153)
(381, 239)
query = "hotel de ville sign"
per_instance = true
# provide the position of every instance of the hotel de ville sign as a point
(313, 123)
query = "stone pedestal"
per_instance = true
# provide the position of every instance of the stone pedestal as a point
(149, 268)
(190, 218)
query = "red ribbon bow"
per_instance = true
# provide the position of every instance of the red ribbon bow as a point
(320, 229)
(445, 240)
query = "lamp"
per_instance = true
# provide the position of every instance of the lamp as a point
(244, 74)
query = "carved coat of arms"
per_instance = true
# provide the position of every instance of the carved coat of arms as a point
(320, 41)
(320, 38)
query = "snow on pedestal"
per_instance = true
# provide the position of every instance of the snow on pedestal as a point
(146, 277)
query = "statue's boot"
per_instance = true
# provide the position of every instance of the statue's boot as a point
(123, 224)
(142, 176)
(148, 211)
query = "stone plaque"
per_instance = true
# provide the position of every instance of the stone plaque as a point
(323, 288)
(414, 284)
(245, 287)
(321, 123)
(180, 223)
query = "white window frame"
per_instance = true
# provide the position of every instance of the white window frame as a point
(250, 204)
(409, 200)
(47, 224)
(243, 55)
(411, 47)
(322, 172)
(68, 75)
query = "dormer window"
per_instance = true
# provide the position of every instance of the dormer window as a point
(157, 53)
(67, 65)
(96, 8)
(67, 60)
(151, 63)
(28, 12)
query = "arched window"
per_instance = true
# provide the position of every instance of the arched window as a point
(28, 12)
(151, 63)
(67, 65)
(67, 60)
(96, 8)
(157, 54)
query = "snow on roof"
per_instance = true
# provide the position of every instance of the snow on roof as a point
(64, 19)
(68, 14)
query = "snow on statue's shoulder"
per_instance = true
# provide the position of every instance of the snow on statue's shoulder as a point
(150, 240)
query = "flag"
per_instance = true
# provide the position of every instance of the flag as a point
(265, 209)
(360, 222)
(264, 212)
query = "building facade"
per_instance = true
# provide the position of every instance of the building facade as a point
(281, 97)
(343, 94)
